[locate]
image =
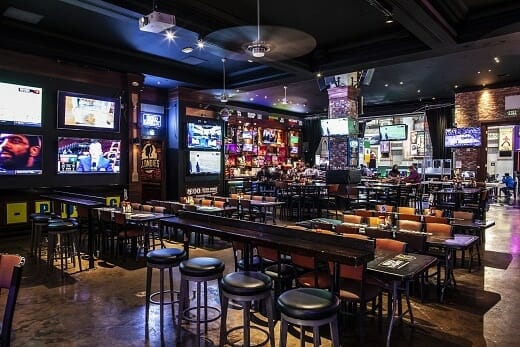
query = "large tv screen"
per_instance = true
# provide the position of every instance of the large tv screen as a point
(339, 126)
(88, 156)
(204, 136)
(396, 132)
(20, 154)
(20, 105)
(269, 136)
(462, 137)
(204, 163)
(88, 112)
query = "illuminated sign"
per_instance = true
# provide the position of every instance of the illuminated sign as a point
(152, 120)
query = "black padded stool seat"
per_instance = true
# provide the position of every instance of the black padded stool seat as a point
(308, 303)
(199, 270)
(201, 266)
(246, 283)
(164, 258)
(60, 225)
(244, 287)
(309, 307)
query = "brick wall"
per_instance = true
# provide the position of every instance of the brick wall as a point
(472, 108)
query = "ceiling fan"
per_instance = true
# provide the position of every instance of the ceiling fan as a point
(260, 42)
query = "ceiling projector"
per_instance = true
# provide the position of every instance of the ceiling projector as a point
(156, 22)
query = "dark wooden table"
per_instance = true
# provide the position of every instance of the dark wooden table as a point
(398, 270)
(330, 247)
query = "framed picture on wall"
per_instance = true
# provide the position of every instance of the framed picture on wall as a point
(505, 144)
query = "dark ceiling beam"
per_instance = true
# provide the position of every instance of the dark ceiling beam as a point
(423, 21)
(18, 36)
(489, 21)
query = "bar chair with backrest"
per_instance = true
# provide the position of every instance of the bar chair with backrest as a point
(11, 267)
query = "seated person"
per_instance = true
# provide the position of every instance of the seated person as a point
(394, 173)
(509, 185)
(414, 176)
(263, 174)
(365, 171)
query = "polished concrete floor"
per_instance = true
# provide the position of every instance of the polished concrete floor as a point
(106, 306)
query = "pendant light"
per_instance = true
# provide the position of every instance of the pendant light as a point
(224, 96)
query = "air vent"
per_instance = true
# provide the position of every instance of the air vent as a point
(193, 60)
(23, 16)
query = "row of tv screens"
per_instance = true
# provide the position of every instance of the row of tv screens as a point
(22, 154)
(21, 105)
(462, 137)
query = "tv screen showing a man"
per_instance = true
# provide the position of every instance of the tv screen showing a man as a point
(20, 154)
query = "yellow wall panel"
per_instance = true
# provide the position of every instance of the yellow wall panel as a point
(16, 212)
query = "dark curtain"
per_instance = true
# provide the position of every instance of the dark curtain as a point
(311, 136)
(438, 120)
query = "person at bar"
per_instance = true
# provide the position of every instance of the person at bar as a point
(414, 176)
(394, 173)
(509, 183)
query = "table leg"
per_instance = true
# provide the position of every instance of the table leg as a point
(90, 241)
(392, 314)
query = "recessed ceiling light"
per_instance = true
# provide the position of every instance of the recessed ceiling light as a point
(250, 60)
(496, 59)
(389, 20)
(433, 98)
(401, 83)
(170, 35)
(158, 82)
(251, 99)
(483, 84)
(265, 96)
(386, 84)
(489, 70)
(456, 86)
(318, 74)
(418, 90)
(200, 43)
(187, 50)
(237, 90)
(478, 72)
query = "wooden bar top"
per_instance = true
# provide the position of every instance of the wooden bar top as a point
(326, 246)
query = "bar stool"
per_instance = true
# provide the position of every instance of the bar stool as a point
(311, 307)
(199, 270)
(165, 258)
(39, 222)
(63, 243)
(244, 288)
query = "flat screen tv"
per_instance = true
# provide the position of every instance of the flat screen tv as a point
(20, 105)
(20, 154)
(396, 132)
(462, 137)
(204, 163)
(269, 136)
(231, 148)
(339, 126)
(88, 112)
(247, 147)
(151, 120)
(88, 156)
(204, 135)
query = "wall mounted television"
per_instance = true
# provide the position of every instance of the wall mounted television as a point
(339, 126)
(462, 137)
(88, 112)
(396, 132)
(204, 135)
(151, 120)
(20, 154)
(269, 135)
(88, 156)
(20, 105)
(204, 163)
